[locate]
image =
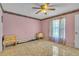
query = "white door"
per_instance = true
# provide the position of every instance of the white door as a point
(77, 31)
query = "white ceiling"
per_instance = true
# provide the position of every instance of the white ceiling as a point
(26, 9)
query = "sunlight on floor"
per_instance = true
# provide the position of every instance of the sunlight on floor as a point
(55, 51)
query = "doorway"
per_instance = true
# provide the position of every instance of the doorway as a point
(77, 31)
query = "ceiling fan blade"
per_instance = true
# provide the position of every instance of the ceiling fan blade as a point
(57, 5)
(35, 7)
(51, 9)
(38, 12)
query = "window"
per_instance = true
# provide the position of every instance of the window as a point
(58, 29)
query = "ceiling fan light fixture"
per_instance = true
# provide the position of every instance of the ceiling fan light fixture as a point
(44, 11)
(43, 8)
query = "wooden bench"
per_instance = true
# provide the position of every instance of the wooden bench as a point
(39, 35)
(9, 40)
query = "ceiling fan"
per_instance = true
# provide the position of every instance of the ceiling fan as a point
(43, 8)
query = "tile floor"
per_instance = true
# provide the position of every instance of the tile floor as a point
(39, 48)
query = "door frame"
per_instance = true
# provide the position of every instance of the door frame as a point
(75, 29)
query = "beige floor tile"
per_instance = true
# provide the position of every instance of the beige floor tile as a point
(39, 48)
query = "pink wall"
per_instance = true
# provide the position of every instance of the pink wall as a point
(70, 29)
(24, 28)
(45, 25)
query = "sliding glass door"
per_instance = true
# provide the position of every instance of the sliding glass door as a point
(55, 30)
(58, 30)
